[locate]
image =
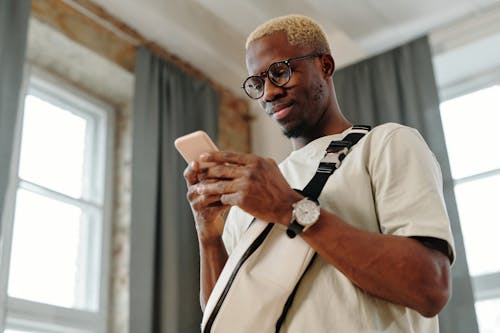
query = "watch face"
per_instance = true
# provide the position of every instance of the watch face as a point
(306, 212)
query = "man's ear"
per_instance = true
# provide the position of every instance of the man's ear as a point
(327, 65)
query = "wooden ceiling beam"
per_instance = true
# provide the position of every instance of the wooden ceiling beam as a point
(92, 26)
(86, 31)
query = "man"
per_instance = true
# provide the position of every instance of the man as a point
(382, 235)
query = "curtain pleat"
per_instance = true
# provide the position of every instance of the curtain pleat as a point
(399, 86)
(14, 15)
(164, 258)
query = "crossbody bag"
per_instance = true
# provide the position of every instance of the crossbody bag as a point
(259, 281)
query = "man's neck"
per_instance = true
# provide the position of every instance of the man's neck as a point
(334, 124)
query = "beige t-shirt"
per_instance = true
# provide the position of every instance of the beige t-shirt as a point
(389, 183)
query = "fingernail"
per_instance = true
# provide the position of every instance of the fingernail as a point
(200, 189)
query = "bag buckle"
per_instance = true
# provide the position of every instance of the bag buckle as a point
(335, 153)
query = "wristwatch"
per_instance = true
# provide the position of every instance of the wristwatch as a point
(305, 213)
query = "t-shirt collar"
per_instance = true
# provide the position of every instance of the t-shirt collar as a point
(316, 148)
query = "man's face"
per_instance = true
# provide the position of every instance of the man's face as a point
(298, 105)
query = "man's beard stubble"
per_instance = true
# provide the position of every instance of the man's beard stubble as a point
(295, 132)
(300, 129)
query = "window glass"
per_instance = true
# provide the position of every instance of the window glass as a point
(53, 147)
(488, 315)
(46, 260)
(479, 209)
(470, 124)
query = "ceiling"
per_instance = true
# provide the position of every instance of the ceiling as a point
(210, 34)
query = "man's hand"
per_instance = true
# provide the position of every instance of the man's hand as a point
(253, 183)
(209, 214)
(208, 210)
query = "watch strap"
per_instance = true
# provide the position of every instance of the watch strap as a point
(294, 229)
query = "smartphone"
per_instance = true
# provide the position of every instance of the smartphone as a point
(192, 145)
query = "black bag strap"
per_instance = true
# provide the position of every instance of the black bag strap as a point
(334, 155)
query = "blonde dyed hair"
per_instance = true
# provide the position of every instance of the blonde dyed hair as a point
(301, 31)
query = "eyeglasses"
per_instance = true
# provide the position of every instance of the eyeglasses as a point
(279, 73)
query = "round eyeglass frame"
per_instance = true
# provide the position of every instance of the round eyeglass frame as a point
(261, 77)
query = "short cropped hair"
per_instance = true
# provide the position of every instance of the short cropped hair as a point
(300, 30)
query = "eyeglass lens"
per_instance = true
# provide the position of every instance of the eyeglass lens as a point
(279, 73)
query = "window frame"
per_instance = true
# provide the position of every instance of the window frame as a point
(485, 286)
(24, 314)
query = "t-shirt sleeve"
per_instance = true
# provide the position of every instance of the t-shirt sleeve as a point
(407, 185)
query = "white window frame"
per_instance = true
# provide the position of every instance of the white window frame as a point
(485, 286)
(27, 315)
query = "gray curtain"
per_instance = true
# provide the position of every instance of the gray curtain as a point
(14, 16)
(399, 86)
(164, 260)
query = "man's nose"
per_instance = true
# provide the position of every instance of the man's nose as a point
(271, 91)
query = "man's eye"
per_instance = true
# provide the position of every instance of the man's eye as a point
(279, 72)
(255, 85)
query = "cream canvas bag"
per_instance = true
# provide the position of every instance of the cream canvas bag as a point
(259, 280)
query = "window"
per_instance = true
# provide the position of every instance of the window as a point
(470, 124)
(56, 228)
